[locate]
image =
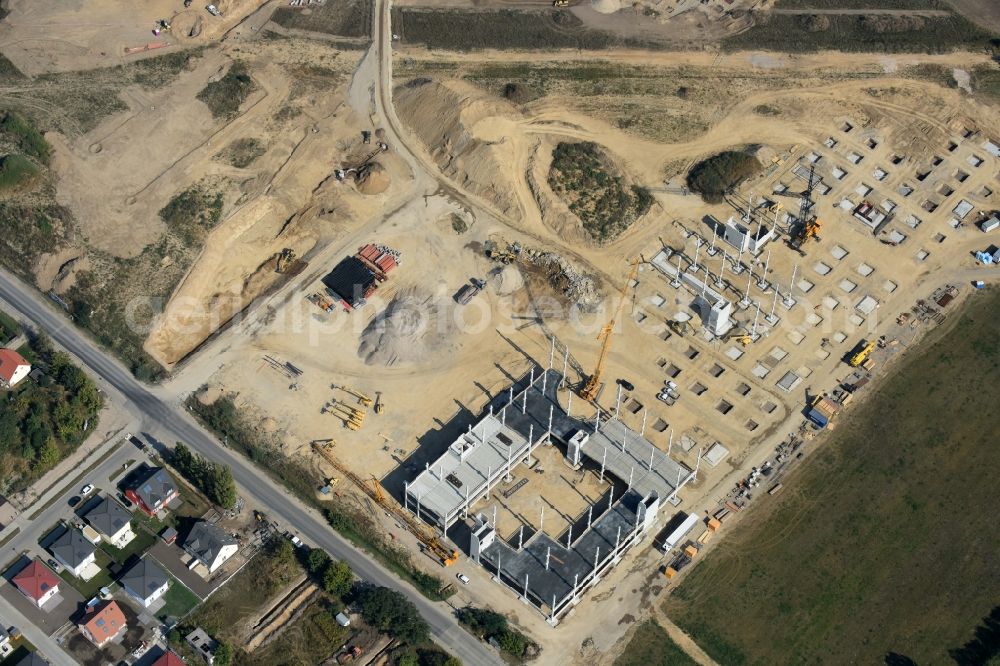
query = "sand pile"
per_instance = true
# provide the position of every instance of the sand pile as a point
(412, 328)
(373, 180)
(442, 115)
(509, 280)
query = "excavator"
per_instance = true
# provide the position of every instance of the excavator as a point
(282, 259)
(589, 390)
(341, 174)
(679, 326)
(373, 489)
(500, 250)
(740, 335)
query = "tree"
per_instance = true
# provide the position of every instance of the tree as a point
(338, 578)
(223, 654)
(317, 561)
(221, 486)
(48, 455)
(391, 612)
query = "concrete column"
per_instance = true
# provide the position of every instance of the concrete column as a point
(406, 495)
(548, 554)
(604, 459)
(618, 401)
(642, 431)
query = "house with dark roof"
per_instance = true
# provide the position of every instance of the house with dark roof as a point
(74, 551)
(145, 582)
(112, 522)
(210, 545)
(37, 582)
(103, 622)
(153, 490)
(32, 659)
(13, 368)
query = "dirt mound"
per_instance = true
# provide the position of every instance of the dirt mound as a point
(442, 114)
(509, 280)
(373, 180)
(414, 326)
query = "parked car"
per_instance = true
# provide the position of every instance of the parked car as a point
(626, 384)
(55, 565)
(87, 489)
(129, 504)
(74, 500)
(462, 577)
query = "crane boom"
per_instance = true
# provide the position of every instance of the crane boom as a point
(589, 391)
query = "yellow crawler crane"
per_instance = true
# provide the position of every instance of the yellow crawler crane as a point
(373, 489)
(589, 391)
(862, 354)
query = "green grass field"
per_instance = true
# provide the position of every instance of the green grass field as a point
(651, 646)
(885, 542)
(178, 601)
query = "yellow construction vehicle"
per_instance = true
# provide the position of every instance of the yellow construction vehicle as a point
(362, 398)
(353, 418)
(589, 391)
(500, 250)
(379, 403)
(679, 326)
(282, 259)
(373, 489)
(739, 335)
(862, 354)
(805, 231)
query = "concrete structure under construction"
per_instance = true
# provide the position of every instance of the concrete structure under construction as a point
(715, 310)
(549, 572)
(746, 235)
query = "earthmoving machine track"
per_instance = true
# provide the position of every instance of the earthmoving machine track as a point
(373, 490)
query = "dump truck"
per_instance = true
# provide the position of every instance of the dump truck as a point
(469, 291)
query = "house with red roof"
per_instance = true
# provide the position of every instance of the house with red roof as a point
(103, 623)
(37, 582)
(13, 368)
(168, 658)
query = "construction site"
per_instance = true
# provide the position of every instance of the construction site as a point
(405, 292)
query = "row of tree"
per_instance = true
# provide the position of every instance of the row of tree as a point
(213, 479)
(43, 420)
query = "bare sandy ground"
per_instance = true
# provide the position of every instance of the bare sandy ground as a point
(86, 34)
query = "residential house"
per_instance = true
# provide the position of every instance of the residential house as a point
(32, 659)
(13, 368)
(37, 582)
(5, 646)
(203, 644)
(168, 658)
(74, 551)
(153, 490)
(210, 545)
(112, 522)
(103, 622)
(145, 582)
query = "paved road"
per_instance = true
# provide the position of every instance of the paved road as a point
(170, 423)
(45, 645)
(928, 13)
